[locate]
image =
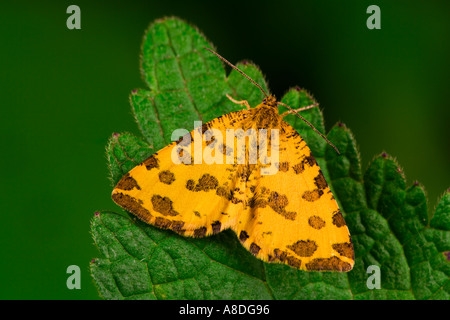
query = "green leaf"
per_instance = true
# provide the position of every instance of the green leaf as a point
(388, 221)
(124, 152)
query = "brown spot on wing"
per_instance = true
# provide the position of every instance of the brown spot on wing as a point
(216, 226)
(338, 219)
(283, 256)
(177, 225)
(235, 200)
(185, 157)
(284, 166)
(304, 248)
(278, 202)
(200, 232)
(163, 205)
(280, 254)
(243, 236)
(320, 181)
(205, 127)
(212, 141)
(345, 249)
(226, 151)
(190, 184)
(174, 225)
(312, 196)
(306, 161)
(163, 223)
(166, 177)
(316, 222)
(205, 183)
(290, 215)
(254, 248)
(224, 191)
(328, 264)
(208, 181)
(257, 202)
(294, 262)
(310, 160)
(151, 162)
(299, 168)
(185, 140)
(127, 183)
(132, 205)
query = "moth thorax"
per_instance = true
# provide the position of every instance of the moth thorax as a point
(266, 117)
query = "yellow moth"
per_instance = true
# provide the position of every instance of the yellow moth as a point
(288, 217)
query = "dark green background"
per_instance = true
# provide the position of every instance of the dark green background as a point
(63, 92)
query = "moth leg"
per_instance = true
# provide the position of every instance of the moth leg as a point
(300, 109)
(242, 102)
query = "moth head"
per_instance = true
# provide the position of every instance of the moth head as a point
(270, 101)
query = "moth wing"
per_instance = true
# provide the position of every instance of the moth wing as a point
(191, 199)
(293, 217)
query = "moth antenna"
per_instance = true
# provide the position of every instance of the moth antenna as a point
(311, 125)
(237, 69)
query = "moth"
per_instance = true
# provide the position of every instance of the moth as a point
(288, 217)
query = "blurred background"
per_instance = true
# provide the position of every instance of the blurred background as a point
(64, 92)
